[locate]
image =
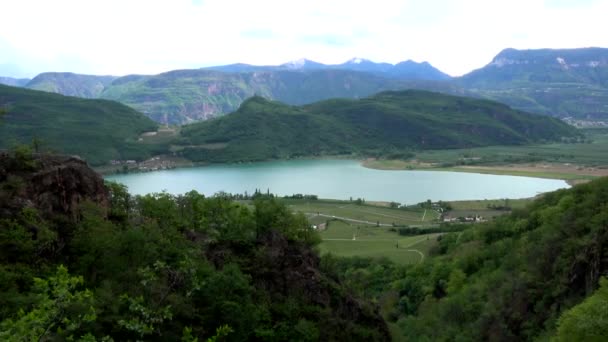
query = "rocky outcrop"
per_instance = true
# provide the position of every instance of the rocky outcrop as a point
(51, 184)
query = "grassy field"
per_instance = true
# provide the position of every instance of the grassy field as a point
(375, 242)
(370, 214)
(366, 230)
(345, 239)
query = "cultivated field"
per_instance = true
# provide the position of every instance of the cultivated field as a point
(362, 214)
(345, 239)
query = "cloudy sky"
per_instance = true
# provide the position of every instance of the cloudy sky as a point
(148, 36)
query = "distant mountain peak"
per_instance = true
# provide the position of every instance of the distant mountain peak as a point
(296, 64)
(357, 60)
(301, 63)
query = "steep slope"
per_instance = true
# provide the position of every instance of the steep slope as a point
(160, 267)
(510, 280)
(14, 82)
(389, 122)
(184, 96)
(569, 82)
(70, 84)
(98, 130)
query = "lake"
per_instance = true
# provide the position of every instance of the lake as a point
(337, 179)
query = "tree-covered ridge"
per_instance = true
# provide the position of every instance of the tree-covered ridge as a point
(518, 278)
(98, 130)
(386, 124)
(89, 264)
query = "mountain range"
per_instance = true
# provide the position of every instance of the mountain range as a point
(184, 96)
(562, 83)
(403, 70)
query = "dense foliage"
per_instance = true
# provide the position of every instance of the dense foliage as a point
(388, 124)
(513, 279)
(165, 268)
(97, 130)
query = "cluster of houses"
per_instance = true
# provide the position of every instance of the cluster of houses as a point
(468, 218)
(152, 164)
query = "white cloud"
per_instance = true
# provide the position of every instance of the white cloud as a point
(136, 36)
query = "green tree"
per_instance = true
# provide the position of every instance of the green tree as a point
(61, 308)
(587, 321)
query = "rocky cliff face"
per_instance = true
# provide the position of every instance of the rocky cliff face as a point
(51, 184)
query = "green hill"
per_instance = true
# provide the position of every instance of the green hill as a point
(185, 96)
(386, 124)
(70, 84)
(97, 130)
(568, 82)
(512, 280)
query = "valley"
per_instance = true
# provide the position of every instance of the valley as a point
(304, 201)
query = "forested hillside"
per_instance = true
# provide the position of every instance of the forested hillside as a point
(388, 124)
(532, 275)
(80, 260)
(97, 130)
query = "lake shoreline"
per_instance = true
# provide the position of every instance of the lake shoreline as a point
(336, 179)
(571, 174)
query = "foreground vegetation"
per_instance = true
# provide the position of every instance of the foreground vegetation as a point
(163, 267)
(159, 267)
(524, 276)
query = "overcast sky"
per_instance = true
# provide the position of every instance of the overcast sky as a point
(147, 37)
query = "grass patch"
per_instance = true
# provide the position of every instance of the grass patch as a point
(401, 250)
(369, 213)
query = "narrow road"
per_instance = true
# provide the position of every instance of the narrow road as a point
(351, 220)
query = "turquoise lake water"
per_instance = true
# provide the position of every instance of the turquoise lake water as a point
(337, 179)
